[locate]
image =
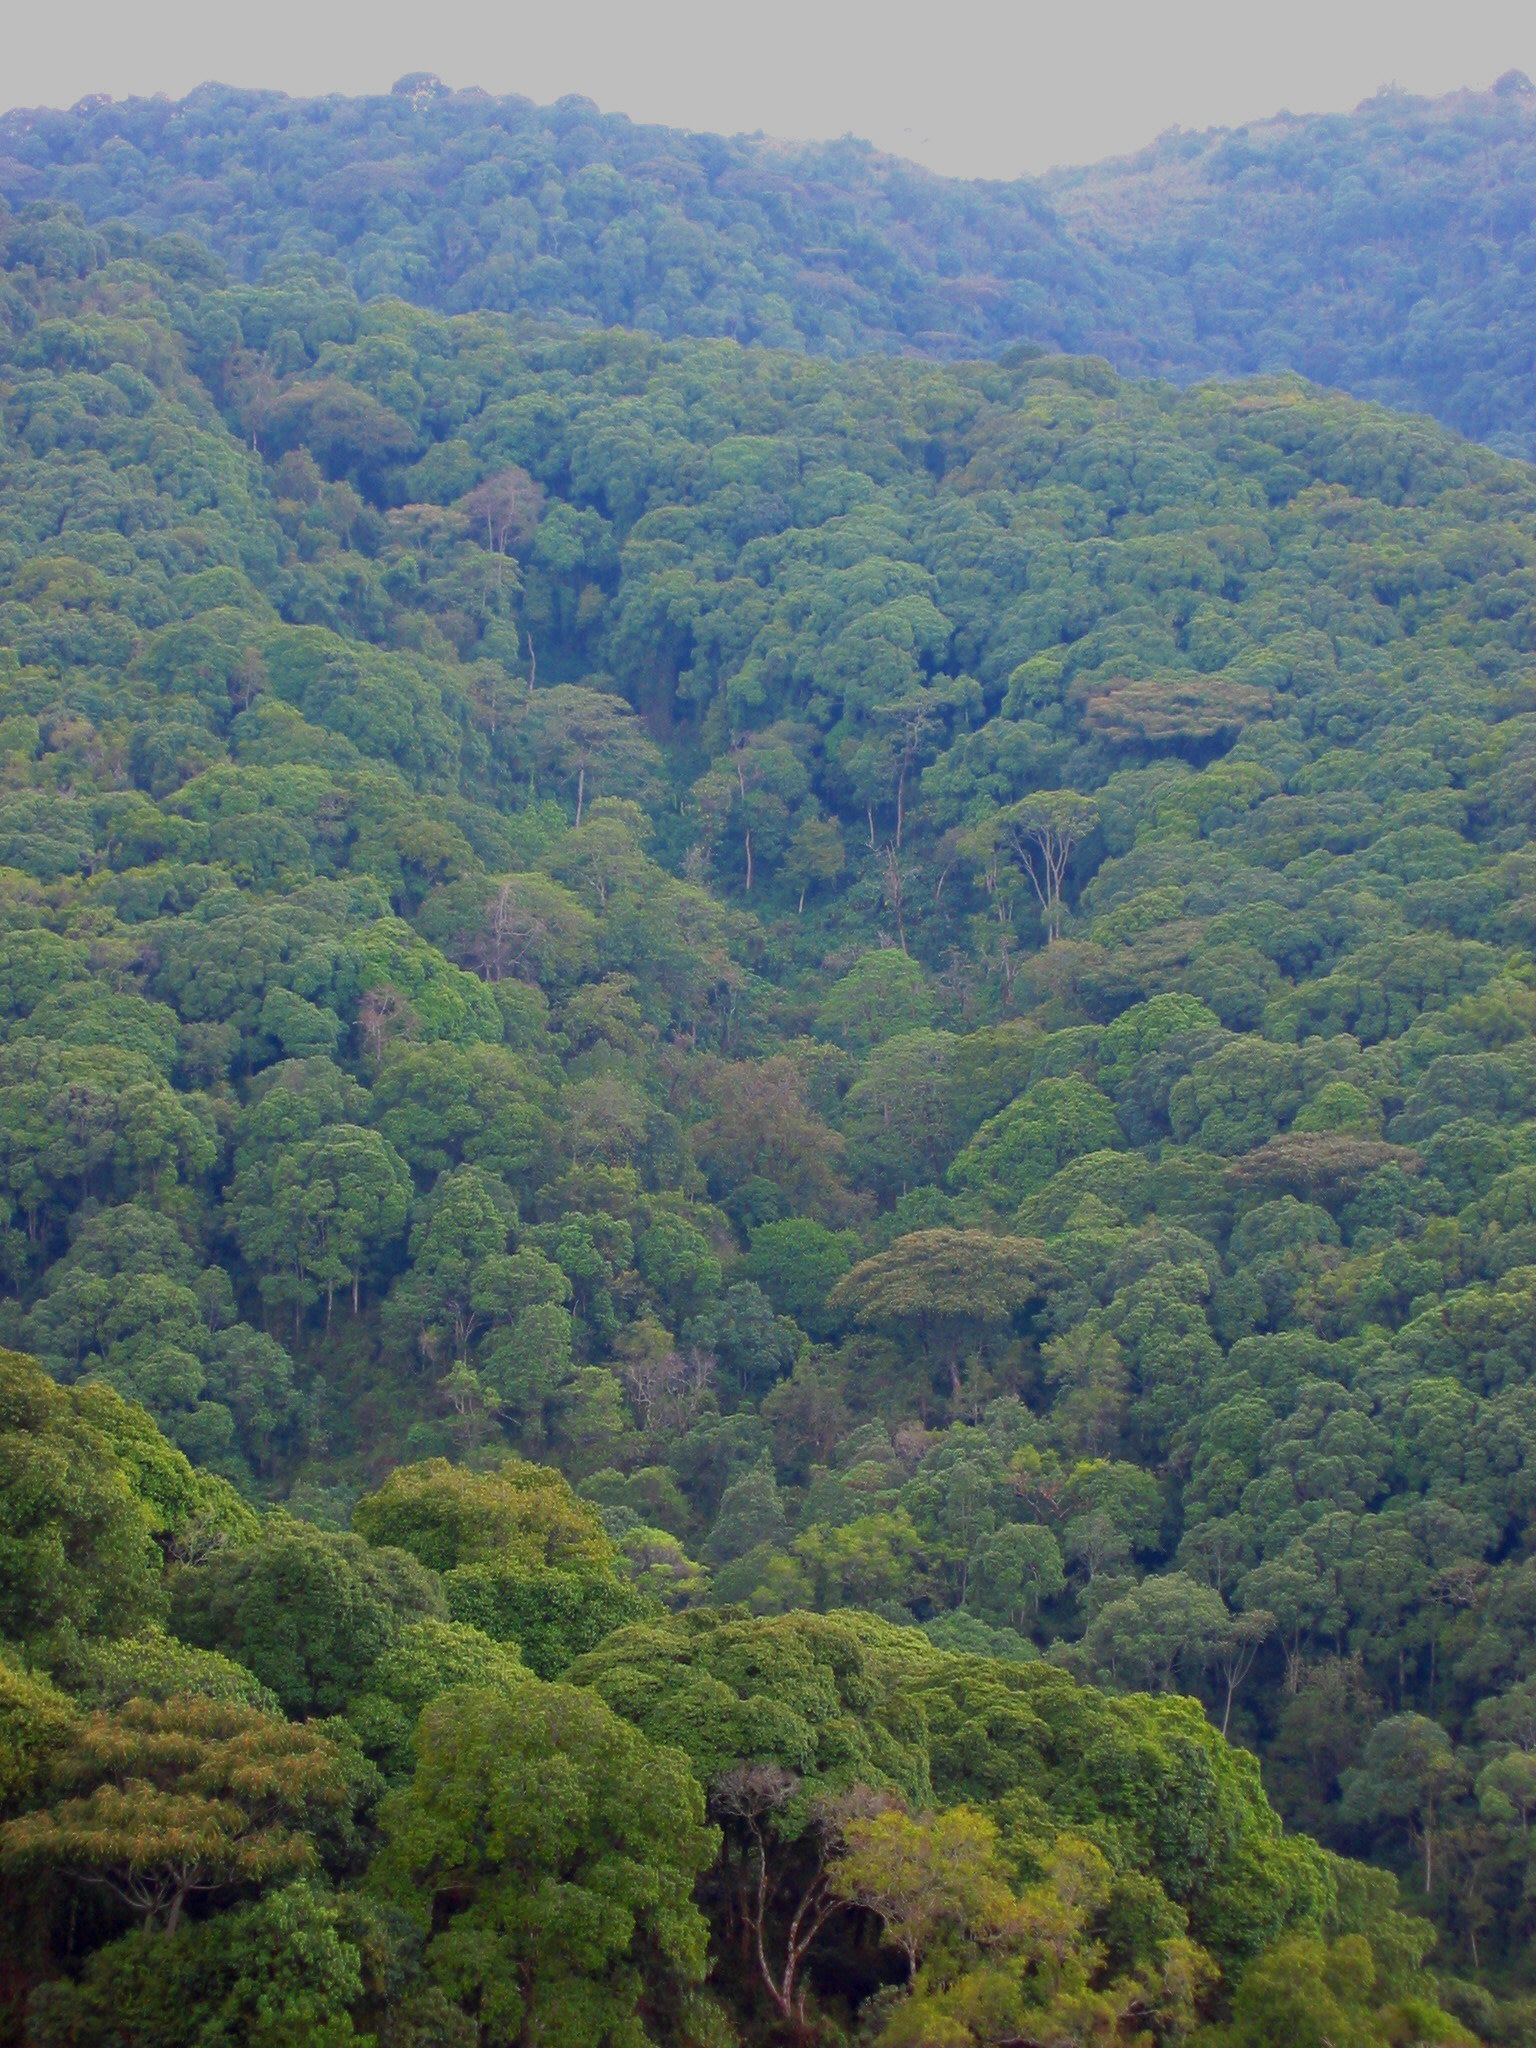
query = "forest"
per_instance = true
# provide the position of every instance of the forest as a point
(768, 1143)
(1388, 252)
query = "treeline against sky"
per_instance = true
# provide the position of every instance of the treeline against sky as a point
(1387, 252)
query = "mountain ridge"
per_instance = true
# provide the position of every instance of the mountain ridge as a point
(1361, 250)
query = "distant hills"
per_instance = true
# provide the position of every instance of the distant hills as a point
(1388, 251)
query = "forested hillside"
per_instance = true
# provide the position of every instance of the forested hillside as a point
(766, 1123)
(573, 216)
(1387, 252)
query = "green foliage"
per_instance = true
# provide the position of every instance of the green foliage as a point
(850, 1042)
(164, 1801)
(36, 1723)
(428, 1658)
(953, 1285)
(818, 1695)
(797, 1263)
(552, 1851)
(78, 1536)
(880, 996)
(155, 1666)
(307, 1610)
(275, 1971)
(1016, 1153)
(520, 1514)
(1310, 1992)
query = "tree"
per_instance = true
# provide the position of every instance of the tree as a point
(528, 1367)
(461, 1228)
(751, 1800)
(1145, 1027)
(1235, 1650)
(91, 1122)
(992, 1968)
(814, 1694)
(927, 1877)
(182, 1797)
(883, 993)
(1014, 1569)
(525, 926)
(1163, 709)
(550, 1852)
(1017, 1153)
(1234, 1096)
(906, 1114)
(37, 1722)
(797, 1262)
(760, 1128)
(553, 1614)
(1088, 1366)
(1041, 833)
(77, 1545)
(156, 1666)
(307, 1610)
(753, 787)
(1307, 1992)
(751, 1512)
(1113, 1511)
(524, 1560)
(814, 854)
(905, 731)
(951, 1286)
(252, 1376)
(573, 733)
(675, 1260)
(427, 1659)
(1408, 1772)
(327, 1210)
(1317, 1165)
(1166, 1621)
(286, 1967)
(868, 1562)
(752, 1348)
(446, 1516)
(510, 503)
(661, 1569)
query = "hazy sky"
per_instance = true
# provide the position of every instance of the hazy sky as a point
(972, 87)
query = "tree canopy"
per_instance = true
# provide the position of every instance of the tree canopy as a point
(791, 1088)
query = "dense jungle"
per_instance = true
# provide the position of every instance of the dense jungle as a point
(767, 1147)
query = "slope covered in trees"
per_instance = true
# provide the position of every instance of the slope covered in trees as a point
(265, 1783)
(831, 1062)
(1387, 252)
(464, 201)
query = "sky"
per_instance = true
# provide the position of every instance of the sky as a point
(974, 88)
